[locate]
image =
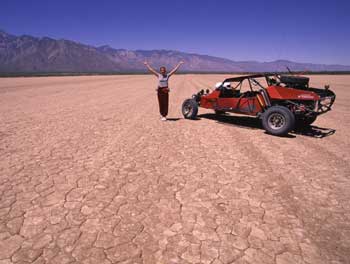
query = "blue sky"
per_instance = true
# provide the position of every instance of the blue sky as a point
(303, 31)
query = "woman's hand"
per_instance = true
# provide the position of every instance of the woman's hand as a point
(150, 68)
(176, 68)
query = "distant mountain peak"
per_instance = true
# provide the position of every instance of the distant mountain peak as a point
(4, 33)
(47, 38)
(105, 48)
(283, 61)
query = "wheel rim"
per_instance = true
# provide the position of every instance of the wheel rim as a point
(187, 109)
(276, 121)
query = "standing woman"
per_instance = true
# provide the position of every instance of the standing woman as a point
(163, 87)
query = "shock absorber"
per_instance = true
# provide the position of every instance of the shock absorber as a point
(266, 97)
(260, 100)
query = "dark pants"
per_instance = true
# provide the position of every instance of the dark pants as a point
(163, 100)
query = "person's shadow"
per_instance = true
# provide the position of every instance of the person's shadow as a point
(173, 119)
(248, 122)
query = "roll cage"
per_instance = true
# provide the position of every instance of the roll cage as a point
(251, 80)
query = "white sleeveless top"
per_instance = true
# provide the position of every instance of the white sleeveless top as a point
(163, 80)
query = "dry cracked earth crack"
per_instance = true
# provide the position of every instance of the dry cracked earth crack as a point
(89, 174)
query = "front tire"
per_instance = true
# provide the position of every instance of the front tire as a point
(190, 109)
(278, 120)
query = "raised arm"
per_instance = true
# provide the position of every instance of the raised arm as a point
(150, 68)
(176, 68)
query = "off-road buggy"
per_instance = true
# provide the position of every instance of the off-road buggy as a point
(283, 103)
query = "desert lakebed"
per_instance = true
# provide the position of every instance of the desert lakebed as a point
(89, 174)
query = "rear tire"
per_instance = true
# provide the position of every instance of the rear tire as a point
(190, 109)
(278, 120)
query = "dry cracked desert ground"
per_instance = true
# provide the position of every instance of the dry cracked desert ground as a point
(89, 174)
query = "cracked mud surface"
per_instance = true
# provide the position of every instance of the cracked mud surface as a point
(89, 174)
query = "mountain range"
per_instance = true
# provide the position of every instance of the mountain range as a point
(30, 54)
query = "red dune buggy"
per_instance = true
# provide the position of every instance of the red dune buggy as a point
(284, 102)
